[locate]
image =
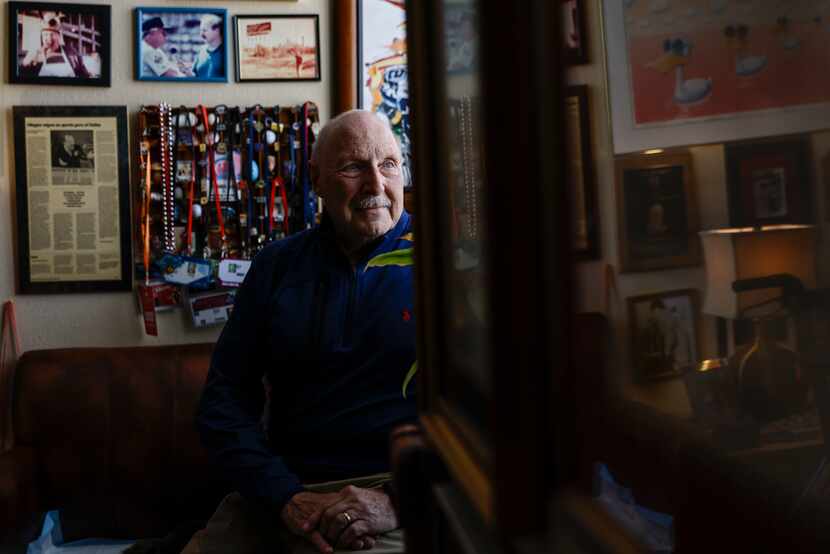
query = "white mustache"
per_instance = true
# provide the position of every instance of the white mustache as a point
(372, 202)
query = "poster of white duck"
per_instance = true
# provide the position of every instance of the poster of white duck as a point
(719, 68)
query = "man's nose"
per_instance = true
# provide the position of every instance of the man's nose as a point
(374, 181)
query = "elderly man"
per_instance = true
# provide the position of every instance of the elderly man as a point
(154, 60)
(67, 154)
(335, 337)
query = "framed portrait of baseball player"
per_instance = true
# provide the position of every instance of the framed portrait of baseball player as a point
(181, 44)
(59, 44)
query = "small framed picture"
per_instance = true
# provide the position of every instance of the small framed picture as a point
(277, 47)
(664, 331)
(59, 44)
(575, 49)
(181, 44)
(657, 212)
(73, 200)
(584, 224)
(769, 182)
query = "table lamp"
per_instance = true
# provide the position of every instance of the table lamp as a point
(764, 264)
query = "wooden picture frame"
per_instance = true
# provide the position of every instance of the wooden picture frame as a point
(181, 54)
(686, 75)
(770, 182)
(73, 199)
(657, 212)
(574, 39)
(581, 179)
(664, 330)
(272, 59)
(59, 44)
(457, 414)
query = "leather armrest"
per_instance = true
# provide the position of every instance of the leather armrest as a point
(18, 494)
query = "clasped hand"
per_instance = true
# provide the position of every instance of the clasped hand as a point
(319, 517)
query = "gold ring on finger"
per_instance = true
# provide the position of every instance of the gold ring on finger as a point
(347, 518)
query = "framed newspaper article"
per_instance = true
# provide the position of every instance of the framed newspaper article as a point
(73, 210)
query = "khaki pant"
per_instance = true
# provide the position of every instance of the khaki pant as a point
(239, 527)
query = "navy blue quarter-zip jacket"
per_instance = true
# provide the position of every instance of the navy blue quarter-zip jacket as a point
(336, 343)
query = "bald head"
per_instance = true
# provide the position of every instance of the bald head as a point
(356, 170)
(349, 118)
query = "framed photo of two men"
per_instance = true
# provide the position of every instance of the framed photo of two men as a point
(181, 44)
(59, 44)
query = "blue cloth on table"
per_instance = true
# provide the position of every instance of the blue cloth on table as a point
(50, 541)
(654, 529)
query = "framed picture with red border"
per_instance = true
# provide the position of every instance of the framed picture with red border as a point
(769, 182)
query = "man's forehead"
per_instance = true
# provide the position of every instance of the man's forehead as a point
(362, 137)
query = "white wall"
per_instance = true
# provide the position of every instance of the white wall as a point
(112, 319)
(710, 179)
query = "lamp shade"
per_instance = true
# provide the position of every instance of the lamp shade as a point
(744, 253)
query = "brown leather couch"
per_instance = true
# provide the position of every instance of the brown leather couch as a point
(107, 436)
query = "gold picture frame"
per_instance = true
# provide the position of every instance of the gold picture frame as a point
(657, 212)
(665, 333)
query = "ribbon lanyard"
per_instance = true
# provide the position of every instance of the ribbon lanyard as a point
(293, 143)
(148, 185)
(191, 187)
(239, 176)
(260, 182)
(251, 216)
(212, 171)
(266, 173)
(278, 182)
(309, 203)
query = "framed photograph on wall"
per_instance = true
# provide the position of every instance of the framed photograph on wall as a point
(769, 182)
(664, 331)
(181, 44)
(695, 73)
(277, 47)
(585, 224)
(59, 44)
(73, 205)
(657, 212)
(573, 32)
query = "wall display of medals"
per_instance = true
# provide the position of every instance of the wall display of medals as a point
(215, 185)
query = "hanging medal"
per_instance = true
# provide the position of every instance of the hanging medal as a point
(278, 202)
(309, 201)
(260, 182)
(214, 182)
(295, 195)
(237, 166)
(194, 210)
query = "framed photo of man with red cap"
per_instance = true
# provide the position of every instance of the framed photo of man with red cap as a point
(59, 44)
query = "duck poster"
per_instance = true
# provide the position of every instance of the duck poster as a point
(383, 85)
(706, 64)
